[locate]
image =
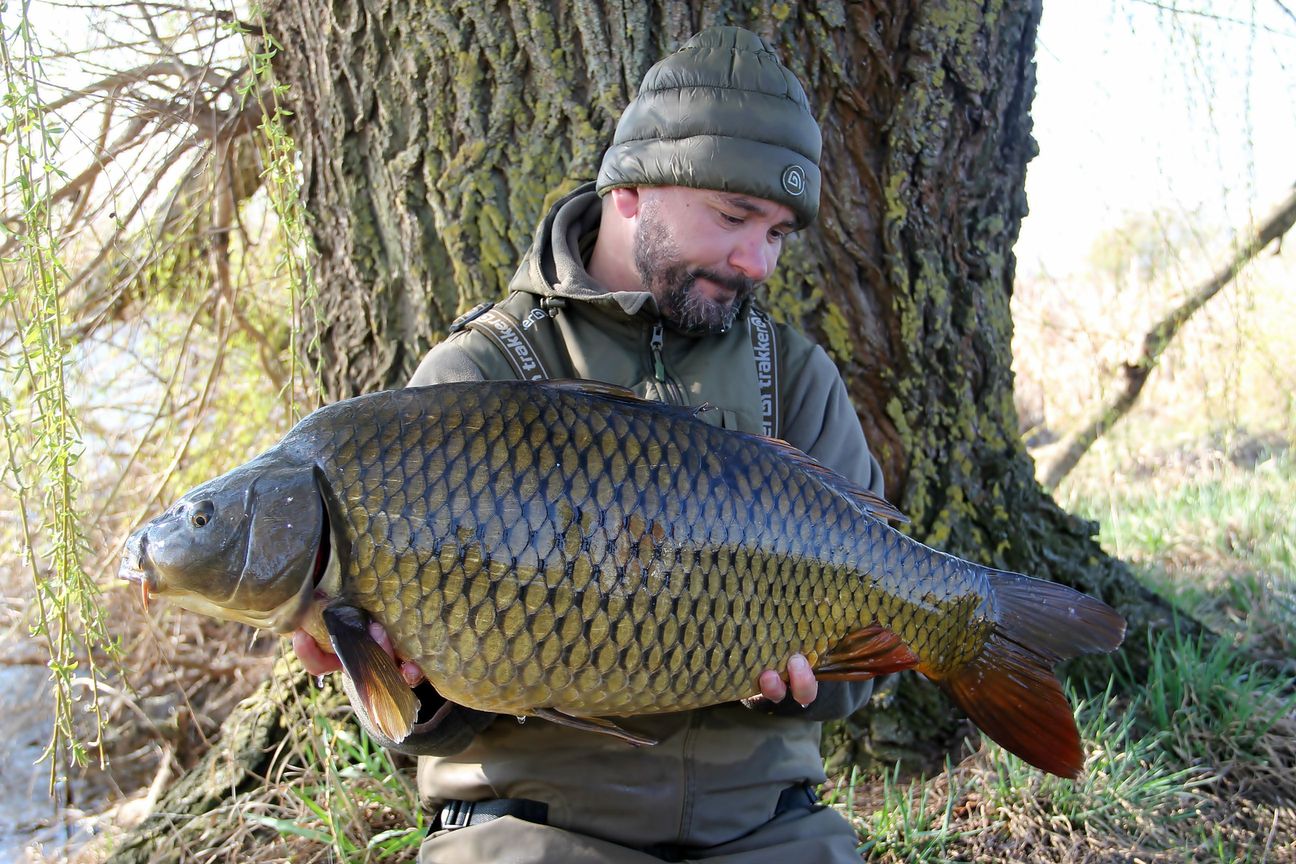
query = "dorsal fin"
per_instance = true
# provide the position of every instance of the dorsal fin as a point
(866, 499)
(594, 388)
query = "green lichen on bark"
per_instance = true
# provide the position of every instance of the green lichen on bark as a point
(950, 262)
(449, 127)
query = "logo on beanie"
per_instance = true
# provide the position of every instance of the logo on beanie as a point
(794, 179)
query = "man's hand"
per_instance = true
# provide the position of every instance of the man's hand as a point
(316, 660)
(801, 681)
(319, 661)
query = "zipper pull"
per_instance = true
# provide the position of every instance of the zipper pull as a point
(658, 338)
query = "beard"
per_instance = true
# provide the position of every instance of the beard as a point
(674, 284)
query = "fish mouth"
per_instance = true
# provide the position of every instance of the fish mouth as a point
(135, 567)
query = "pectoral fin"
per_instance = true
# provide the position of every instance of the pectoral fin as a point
(383, 694)
(865, 653)
(593, 724)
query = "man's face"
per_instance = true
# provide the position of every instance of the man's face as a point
(701, 253)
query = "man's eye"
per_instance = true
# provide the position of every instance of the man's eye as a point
(730, 219)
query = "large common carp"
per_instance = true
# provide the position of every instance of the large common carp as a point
(567, 551)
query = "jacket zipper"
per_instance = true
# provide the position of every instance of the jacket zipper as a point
(673, 392)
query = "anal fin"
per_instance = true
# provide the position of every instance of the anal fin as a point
(865, 653)
(593, 724)
(383, 694)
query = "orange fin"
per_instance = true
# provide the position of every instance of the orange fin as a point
(1018, 703)
(1010, 691)
(593, 724)
(865, 653)
(383, 694)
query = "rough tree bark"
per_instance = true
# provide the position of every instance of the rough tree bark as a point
(434, 135)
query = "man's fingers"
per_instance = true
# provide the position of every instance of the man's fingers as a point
(316, 660)
(801, 679)
(772, 686)
(379, 634)
(411, 673)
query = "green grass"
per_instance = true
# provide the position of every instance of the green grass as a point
(1185, 769)
(351, 797)
(1219, 514)
(1217, 539)
(915, 820)
(1217, 709)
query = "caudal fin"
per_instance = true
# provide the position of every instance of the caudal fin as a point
(1010, 691)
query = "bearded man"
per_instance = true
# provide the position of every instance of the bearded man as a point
(644, 279)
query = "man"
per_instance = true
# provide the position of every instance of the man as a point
(644, 280)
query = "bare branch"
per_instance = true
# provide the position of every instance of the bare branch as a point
(208, 126)
(209, 383)
(83, 200)
(1159, 337)
(158, 414)
(119, 80)
(87, 322)
(1212, 16)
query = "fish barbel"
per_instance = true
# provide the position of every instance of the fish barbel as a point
(568, 551)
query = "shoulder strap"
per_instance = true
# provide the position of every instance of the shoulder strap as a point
(510, 336)
(765, 352)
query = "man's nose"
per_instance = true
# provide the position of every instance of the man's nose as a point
(754, 258)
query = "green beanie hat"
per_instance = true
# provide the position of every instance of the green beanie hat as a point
(720, 113)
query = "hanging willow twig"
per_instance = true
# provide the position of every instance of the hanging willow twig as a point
(69, 616)
(121, 192)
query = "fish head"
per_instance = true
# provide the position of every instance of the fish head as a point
(247, 546)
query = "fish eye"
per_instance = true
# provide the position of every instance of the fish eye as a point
(201, 514)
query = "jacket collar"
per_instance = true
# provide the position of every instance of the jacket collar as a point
(554, 266)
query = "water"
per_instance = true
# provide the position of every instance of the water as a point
(26, 709)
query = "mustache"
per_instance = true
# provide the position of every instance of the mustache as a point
(739, 284)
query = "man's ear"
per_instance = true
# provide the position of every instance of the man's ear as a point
(626, 201)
